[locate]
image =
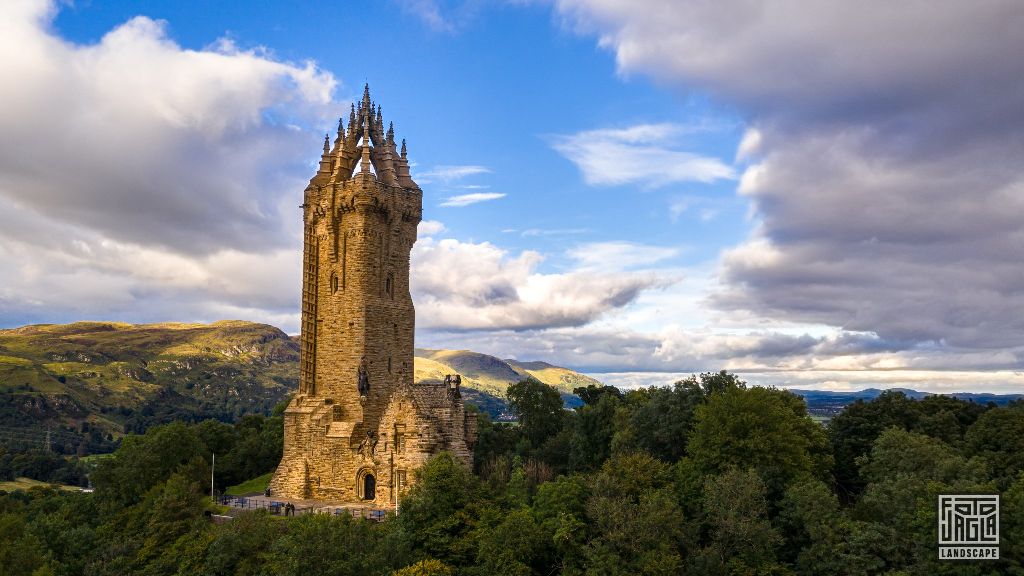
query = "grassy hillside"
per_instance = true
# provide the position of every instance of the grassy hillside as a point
(478, 371)
(562, 378)
(85, 384)
(89, 382)
(494, 375)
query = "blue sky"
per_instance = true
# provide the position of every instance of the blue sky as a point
(639, 189)
(492, 91)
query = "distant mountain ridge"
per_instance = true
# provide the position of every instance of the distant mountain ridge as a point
(87, 383)
(872, 393)
(830, 402)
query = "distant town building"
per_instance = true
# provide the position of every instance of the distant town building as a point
(359, 426)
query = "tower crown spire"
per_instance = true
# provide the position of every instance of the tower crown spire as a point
(340, 138)
(365, 160)
(366, 145)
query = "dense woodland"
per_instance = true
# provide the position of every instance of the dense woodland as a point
(709, 476)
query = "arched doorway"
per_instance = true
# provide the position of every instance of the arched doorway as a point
(369, 487)
(366, 484)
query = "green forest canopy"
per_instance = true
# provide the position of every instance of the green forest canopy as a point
(709, 476)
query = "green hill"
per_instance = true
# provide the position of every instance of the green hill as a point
(562, 378)
(478, 371)
(85, 384)
(90, 382)
(494, 375)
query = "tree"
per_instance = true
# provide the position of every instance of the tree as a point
(561, 509)
(21, 552)
(174, 509)
(898, 453)
(439, 513)
(637, 525)
(591, 431)
(854, 430)
(947, 418)
(736, 513)
(823, 539)
(715, 382)
(1012, 526)
(144, 461)
(240, 547)
(659, 419)
(591, 394)
(494, 441)
(998, 437)
(906, 471)
(514, 546)
(428, 567)
(539, 409)
(760, 428)
(322, 544)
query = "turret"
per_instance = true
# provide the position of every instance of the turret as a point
(325, 158)
(365, 161)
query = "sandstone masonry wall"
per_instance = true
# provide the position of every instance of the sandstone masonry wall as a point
(358, 320)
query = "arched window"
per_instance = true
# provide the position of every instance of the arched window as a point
(389, 285)
(334, 283)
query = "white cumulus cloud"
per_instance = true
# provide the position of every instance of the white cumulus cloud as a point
(478, 286)
(143, 180)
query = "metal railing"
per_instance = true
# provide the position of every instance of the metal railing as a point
(279, 508)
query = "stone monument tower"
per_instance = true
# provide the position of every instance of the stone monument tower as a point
(359, 425)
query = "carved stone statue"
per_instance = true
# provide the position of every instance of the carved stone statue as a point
(364, 380)
(452, 384)
(369, 445)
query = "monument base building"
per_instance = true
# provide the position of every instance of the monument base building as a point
(359, 426)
